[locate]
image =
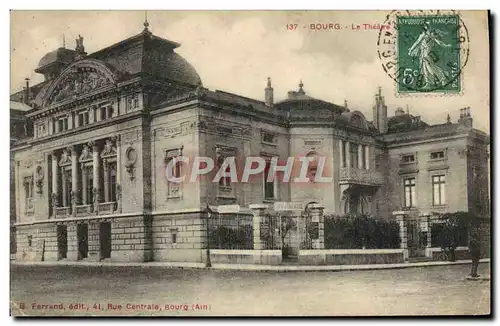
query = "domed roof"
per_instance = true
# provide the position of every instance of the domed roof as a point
(174, 66)
(61, 55)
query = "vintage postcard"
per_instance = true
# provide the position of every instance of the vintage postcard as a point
(250, 163)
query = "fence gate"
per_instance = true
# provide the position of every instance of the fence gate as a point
(416, 238)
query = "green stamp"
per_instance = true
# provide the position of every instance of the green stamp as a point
(429, 53)
(424, 53)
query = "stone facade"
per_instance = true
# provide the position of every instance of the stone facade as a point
(91, 181)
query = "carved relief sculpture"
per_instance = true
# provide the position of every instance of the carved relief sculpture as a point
(39, 179)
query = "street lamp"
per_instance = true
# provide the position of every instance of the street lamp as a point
(209, 213)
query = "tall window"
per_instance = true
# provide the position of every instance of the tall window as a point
(90, 184)
(83, 118)
(112, 181)
(363, 156)
(67, 181)
(438, 190)
(28, 192)
(344, 152)
(354, 155)
(268, 186)
(410, 193)
(224, 182)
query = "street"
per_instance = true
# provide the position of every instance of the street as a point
(64, 290)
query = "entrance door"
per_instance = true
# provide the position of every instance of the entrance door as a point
(416, 247)
(62, 242)
(105, 239)
(290, 238)
(82, 233)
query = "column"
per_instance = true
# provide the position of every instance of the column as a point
(402, 232)
(426, 227)
(95, 170)
(54, 182)
(341, 151)
(91, 115)
(64, 190)
(367, 157)
(317, 217)
(76, 120)
(258, 216)
(360, 156)
(106, 181)
(51, 126)
(348, 154)
(74, 179)
(97, 114)
(118, 175)
(70, 121)
(84, 184)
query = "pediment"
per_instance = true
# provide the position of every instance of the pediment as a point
(79, 79)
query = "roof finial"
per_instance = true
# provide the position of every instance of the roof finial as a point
(345, 104)
(301, 89)
(407, 109)
(146, 24)
(448, 119)
(379, 91)
(268, 82)
(64, 41)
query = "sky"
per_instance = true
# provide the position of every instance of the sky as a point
(237, 51)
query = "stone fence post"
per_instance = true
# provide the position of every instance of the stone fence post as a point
(317, 217)
(425, 226)
(403, 231)
(258, 215)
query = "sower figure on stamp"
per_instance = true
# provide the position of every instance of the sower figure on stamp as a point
(474, 247)
(423, 48)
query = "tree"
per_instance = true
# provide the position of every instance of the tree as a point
(454, 232)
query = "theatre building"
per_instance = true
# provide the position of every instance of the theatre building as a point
(90, 156)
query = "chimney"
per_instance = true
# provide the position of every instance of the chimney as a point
(380, 112)
(26, 97)
(465, 117)
(269, 93)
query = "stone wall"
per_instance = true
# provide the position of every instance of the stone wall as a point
(189, 233)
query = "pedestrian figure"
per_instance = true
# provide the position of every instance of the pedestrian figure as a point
(474, 249)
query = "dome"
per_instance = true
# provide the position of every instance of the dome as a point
(173, 66)
(61, 55)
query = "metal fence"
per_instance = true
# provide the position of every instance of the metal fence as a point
(230, 231)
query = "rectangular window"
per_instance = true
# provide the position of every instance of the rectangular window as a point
(354, 155)
(30, 240)
(363, 156)
(102, 113)
(112, 181)
(90, 184)
(437, 155)
(268, 186)
(174, 235)
(60, 124)
(410, 196)
(28, 193)
(438, 190)
(344, 152)
(109, 110)
(408, 159)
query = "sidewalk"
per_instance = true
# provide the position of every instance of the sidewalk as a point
(249, 267)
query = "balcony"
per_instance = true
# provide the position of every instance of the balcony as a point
(350, 175)
(107, 208)
(63, 211)
(84, 210)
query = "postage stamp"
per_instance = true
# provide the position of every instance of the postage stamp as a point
(424, 52)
